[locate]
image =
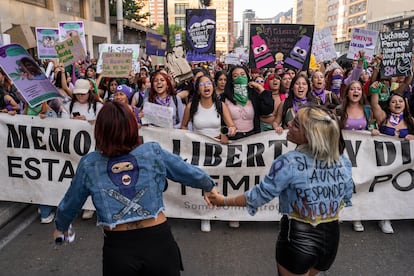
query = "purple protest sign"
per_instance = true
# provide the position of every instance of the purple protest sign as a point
(46, 39)
(201, 35)
(26, 75)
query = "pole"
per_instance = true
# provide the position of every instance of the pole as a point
(166, 25)
(120, 21)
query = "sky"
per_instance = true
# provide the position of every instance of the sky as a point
(263, 8)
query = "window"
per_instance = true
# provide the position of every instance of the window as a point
(98, 10)
(40, 3)
(180, 8)
(180, 21)
(72, 7)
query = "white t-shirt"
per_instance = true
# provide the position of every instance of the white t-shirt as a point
(83, 109)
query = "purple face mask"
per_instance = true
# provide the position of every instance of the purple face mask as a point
(336, 83)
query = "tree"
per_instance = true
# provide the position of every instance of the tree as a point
(172, 29)
(131, 9)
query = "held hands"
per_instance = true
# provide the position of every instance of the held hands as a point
(216, 199)
(208, 195)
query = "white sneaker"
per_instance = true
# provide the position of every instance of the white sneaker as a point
(71, 235)
(47, 219)
(234, 224)
(205, 225)
(386, 227)
(358, 227)
(87, 214)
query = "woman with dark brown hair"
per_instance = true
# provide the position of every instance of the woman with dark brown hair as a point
(126, 180)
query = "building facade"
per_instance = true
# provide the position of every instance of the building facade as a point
(47, 13)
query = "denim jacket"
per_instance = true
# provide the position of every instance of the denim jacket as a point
(127, 188)
(309, 190)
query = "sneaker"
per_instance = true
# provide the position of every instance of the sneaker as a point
(205, 225)
(87, 214)
(47, 219)
(71, 235)
(386, 227)
(234, 224)
(358, 227)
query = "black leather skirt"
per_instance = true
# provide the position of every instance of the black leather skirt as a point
(302, 246)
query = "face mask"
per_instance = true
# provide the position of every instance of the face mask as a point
(336, 83)
(241, 80)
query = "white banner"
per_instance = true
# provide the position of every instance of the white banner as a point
(40, 157)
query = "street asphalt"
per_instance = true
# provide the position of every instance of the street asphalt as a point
(248, 250)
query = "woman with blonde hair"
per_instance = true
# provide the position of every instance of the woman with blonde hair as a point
(309, 230)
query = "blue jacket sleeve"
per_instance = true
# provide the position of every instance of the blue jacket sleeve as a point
(271, 186)
(73, 200)
(180, 171)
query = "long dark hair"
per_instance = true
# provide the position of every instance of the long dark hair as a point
(289, 100)
(196, 97)
(408, 119)
(229, 88)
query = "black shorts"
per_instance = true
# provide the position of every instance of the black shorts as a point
(147, 251)
(301, 246)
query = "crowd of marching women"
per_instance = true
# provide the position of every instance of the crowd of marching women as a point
(230, 102)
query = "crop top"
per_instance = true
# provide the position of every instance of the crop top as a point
(391, 131)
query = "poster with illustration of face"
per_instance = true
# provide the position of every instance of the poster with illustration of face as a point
(200, 35)
(46, 39)
(26, 75)
(71, 28)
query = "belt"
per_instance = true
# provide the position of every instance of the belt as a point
(138, 224)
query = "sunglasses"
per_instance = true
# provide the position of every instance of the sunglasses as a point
(202, 84)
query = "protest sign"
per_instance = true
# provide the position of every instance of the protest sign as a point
(280, 45)
(323, 45)
(116, 65)
(158, 115)
(397, 48)
(26, 75)
(155, 45)
(46, 39)
(119, 48)
(362, 40)
(40, 157)
(71, 28)
(200, 35)
(70, 50)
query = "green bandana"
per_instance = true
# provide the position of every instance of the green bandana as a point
(240, 90)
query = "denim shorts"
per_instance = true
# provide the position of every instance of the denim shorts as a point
(302, 246)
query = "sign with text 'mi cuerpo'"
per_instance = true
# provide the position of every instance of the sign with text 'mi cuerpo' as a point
(40, 157)
(116, 65)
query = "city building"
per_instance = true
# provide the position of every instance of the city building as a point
(15, 15)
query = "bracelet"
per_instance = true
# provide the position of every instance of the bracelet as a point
(225, 201)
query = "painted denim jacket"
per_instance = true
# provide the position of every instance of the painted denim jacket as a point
(127, 188)
(308, 190)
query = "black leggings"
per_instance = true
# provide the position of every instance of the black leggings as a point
(301, 246)
(150, 251)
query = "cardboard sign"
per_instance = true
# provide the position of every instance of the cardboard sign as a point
(70, 50)
(116, 65)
